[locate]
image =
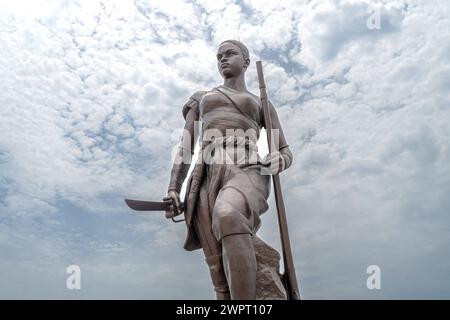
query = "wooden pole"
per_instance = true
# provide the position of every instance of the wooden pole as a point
(289, 277)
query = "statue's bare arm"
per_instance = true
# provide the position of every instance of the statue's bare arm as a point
(183, 157)
(285, 154)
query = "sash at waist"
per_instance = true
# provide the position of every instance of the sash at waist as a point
(230, 150)
(226, 141)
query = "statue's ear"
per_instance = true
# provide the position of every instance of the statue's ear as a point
(247, 63)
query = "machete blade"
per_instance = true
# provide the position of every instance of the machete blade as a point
(140, 205)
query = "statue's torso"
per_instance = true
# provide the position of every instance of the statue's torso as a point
(213, 99)
(218, 112)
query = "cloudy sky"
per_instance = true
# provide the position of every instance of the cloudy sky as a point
(90, 110)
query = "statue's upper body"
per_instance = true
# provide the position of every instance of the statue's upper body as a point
(214, 110)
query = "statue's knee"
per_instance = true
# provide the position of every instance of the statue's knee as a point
(228, 222)
(228, 216)
(224, 217)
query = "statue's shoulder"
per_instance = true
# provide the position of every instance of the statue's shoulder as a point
(197, 96)
(193, 103)
(253, 95)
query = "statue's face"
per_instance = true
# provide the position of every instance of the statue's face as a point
(230, 60)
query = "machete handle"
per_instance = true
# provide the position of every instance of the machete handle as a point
(170, 213)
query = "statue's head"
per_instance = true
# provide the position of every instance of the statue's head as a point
(232, 58)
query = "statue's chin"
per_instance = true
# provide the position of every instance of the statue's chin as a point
(226, 74)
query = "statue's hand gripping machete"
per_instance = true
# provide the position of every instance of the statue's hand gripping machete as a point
(165, 205)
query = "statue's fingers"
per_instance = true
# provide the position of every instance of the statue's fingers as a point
(283, 163)
(272, 168)
(172, 206)
(275, 166)
(178, 205)
(174, 201)
(176, 209)
(170, 212)
(274, 154)
(268, 159)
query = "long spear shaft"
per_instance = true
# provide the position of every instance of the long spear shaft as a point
(289, 276)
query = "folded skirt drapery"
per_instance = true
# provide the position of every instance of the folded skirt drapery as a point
(225, 197)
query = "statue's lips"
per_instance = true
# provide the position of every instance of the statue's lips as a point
(223, 66)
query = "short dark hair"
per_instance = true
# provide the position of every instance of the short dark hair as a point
(241, 46)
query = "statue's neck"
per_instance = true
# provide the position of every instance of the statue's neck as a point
(236, 83)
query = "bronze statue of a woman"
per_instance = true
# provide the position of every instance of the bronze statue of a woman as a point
(224, 199)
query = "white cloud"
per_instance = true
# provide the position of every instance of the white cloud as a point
(91, 107)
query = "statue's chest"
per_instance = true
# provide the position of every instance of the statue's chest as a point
(244, 102)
